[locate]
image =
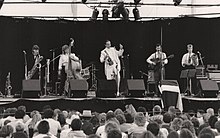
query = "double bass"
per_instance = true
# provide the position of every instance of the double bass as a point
(74, 67)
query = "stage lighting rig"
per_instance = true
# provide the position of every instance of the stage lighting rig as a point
(136, 2)
(177, 2)
(105, 14)
(120, 9)
(1, 3)
(95, 14)
(136, 14)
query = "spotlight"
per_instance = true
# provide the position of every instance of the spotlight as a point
(136, 14)
(177, 2)
(95, 14)
(105, 14)
(1, 3)
(125, 13)
(84, 1)
(136, 2)
(115, 12)
(44, 1)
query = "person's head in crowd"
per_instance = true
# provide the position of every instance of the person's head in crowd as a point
(111, 126)
(147, 134)
(173, 134)
(154, 128)
(48, 113)
(140, 119)
(178, 112)
(22, 107)
(206, 133)
(196, 125)
(110, 115)
(19, 114)
(76, 125)
(46, 107)
(93, 136)
(6, 122)
(12, 111)
(217, 126)
(56, 112)
(206, 117)
(200, 113)
(188, 125)
(65, 113)
(43, 127)
(184, 116)
(102, 119)
(191, 113)
(114, 134)
(167, 118)
(114, 120)
(159, 122)
(61, 118)
(186, 133)
(19, 127)
(212, 120)
(129, 118)
(94, 120)
(142, 109)
(172, 110)
(176, 124)
(210, 111)
(34, 112)
(121, 118)
(202, 126)
(157, 110)
(6, 131)
(118, 111)
(7, 112)
(36, 118)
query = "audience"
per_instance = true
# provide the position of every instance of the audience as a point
(43, 129)
(76, 129)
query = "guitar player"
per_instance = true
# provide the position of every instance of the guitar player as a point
(156, 63)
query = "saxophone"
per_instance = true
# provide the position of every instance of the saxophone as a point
(36, 66)
(8, 86)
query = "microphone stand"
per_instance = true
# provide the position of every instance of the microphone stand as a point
(25, 65)
(201, 59)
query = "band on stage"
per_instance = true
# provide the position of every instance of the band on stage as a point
(70, 66)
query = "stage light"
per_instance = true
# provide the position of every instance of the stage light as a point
(84, 1)
(105, 14)
(136, 14)
(44, 1)
(136, 2)
(95, 14)
(177, 2)
(1, 3)
(115, 12)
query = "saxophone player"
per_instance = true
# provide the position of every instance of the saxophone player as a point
(34, 61)
(110, 57)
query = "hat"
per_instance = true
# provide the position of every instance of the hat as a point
(86, 113)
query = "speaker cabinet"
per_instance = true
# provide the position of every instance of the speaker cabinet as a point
(31, 88)
(208, 88)
(136, 88)
(106, 89)
(79, 88)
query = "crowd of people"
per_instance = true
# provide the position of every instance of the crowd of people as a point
(130, 123)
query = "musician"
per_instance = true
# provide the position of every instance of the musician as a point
(190, 61)
(63, 67)
(108, 55)
(157, 61)
(33, 60)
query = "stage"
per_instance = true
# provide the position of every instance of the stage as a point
(105, 104)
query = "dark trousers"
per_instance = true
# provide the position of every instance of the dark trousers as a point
(62, 81)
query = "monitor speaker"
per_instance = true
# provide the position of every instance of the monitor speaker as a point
(136, 88)
(79, 88)
(106, 89)
(208, 88)
(31, 88)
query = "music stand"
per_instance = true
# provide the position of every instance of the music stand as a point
(188, 74)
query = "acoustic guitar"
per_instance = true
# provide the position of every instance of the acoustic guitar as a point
(158, 62)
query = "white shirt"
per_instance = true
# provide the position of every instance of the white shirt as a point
(156, 55)
(185, 59)
(64, 133)
(64, 59)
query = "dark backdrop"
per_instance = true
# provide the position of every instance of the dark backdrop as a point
(138, 38)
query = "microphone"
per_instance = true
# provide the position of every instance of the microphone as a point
(24, 52)
(198, 52)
